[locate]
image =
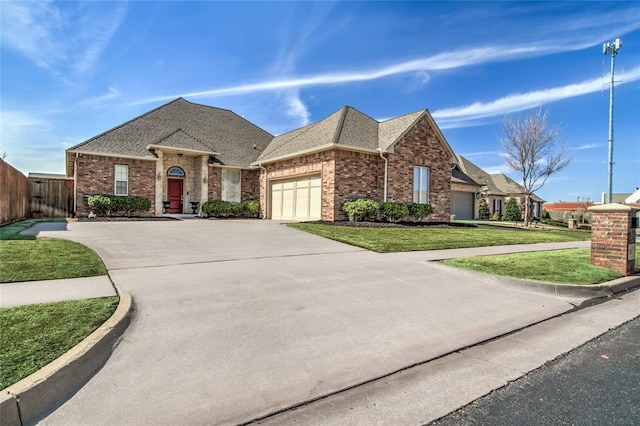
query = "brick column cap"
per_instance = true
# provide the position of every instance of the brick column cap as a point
(612, 208)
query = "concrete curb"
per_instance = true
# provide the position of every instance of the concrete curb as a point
(40, 393)
(607, 289)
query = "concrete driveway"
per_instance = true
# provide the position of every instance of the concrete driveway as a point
(239, 319)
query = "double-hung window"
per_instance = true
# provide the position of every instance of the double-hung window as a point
(122, 180)
(421, 185)
(231, 189)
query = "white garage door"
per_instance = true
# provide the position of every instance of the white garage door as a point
(462, 204)
(299, 199)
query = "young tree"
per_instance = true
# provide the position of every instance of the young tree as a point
(530, 148)
(483, 210)
(512, 212)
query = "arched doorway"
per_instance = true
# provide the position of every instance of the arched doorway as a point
(175, 189)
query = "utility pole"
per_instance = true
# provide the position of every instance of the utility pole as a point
(611, 48)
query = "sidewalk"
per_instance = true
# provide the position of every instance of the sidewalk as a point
(31, 292)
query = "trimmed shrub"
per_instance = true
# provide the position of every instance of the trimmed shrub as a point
(546, 214)
(419, 211)
(483, 211)
(252, 208)
(361, 209)
(118, 205)
(394, 211)
(99, 204)
(217, 208)
(512, 211)
(496, 216)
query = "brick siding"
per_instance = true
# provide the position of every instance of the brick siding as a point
(611, 235)
(95, 176)
(421, 147)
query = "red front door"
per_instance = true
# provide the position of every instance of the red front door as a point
(175, 195)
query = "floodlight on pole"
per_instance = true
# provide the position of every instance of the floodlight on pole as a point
(611, 49)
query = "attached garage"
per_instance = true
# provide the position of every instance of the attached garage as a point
(297, 199)
(462, 204)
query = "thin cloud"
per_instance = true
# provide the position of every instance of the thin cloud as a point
(58, 39)
(458, 116)
(480, 154)
(439, 62)
(588, 146)
(112, 93)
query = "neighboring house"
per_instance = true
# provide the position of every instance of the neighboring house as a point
(497, 189)
(183, 152)
(465, 195)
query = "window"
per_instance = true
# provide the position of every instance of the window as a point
(421, 185)
(175, 171)
(231, 185)
(122, 180)
(497, 205)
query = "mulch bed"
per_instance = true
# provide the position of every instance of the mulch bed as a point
(402, 224)
(126, 219)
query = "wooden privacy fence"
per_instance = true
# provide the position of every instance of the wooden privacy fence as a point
(51, 195)
(14, 194)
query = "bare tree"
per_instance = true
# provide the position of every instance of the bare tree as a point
(530, 143)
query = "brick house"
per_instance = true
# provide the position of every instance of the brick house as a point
(497, 189)
(183, 152)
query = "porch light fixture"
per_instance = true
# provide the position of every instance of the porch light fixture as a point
(204, 179)
(159, 175)
(180, 155)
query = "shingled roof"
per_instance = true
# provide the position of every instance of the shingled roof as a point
(508, 185)
(479, 175)
(348, 128)
(183, 125)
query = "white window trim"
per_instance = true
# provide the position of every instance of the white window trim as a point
(115, 179)
(428, 189)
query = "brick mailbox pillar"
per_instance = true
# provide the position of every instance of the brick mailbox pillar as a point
(613, 237)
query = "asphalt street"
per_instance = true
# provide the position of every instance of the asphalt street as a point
(596, 384)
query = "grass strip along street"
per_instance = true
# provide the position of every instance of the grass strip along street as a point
(569, 266)
(387, 240)
(26, 258)
(34, 335)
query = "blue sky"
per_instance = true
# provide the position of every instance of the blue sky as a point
(71, 70)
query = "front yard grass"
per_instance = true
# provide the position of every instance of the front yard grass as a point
(26, 258)
(569, 266)
(385, 240)
(34, 335)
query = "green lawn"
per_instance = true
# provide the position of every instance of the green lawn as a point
(384, 240)
(25, 258)
(569, 266)
(34, 335)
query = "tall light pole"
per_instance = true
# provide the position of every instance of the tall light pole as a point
(611, 48)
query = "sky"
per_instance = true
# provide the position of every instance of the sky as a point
(72, 70)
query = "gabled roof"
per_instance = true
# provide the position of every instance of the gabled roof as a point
(479, 175)
(183, 124)
(180, 140)
(458, 176)
(509, 186)
(347, 128)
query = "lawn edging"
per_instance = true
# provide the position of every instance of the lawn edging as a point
(590, 291)
(33, 397)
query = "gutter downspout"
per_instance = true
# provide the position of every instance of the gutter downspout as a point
(266, 186)
(386, 164)
(75, 186)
